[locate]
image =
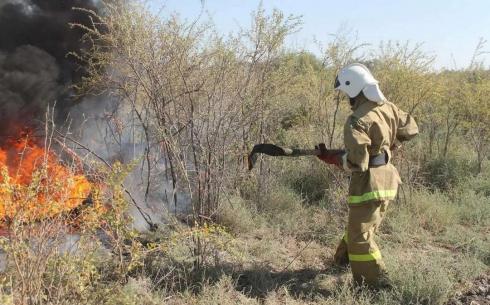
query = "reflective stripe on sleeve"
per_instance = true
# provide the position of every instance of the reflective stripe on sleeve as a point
(382, 194)
(365, 257)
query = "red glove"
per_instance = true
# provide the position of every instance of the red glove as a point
(330, 156)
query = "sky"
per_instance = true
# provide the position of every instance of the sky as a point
(448, 29)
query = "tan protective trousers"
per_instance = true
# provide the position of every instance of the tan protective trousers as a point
(358, 247)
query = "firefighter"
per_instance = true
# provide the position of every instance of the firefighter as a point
(371, 133)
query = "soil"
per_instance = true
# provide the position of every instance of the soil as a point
(477, 293)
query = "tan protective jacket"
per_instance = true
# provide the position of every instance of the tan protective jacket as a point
(370, 130)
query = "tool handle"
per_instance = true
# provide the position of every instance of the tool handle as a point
(277, 151)
(297, 152)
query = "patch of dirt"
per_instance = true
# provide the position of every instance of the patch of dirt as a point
(478, 293)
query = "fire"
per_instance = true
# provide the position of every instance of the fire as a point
(35, 185)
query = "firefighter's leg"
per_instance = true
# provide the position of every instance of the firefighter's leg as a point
(383, 205)
(364, 255)
(341, 257)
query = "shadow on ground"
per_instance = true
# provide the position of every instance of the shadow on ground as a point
(256, 281)
(259, 282)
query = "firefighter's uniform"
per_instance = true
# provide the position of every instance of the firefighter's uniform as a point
(370, 131)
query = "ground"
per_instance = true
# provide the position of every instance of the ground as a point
(474, 293)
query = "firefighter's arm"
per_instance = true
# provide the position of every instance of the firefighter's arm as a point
(407, 127)
(330, 156)
(356, 142)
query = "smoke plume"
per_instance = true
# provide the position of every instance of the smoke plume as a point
(35, 38)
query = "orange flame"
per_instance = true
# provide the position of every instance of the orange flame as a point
(35, 185)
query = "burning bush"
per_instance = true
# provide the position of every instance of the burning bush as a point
(34, 184)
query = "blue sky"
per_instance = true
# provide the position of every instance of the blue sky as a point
(449, 29)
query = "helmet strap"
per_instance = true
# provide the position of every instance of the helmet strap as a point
(357, 100)
(352, 101)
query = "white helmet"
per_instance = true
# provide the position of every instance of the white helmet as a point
(355, 78)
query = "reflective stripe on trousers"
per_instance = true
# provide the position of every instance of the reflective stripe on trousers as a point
(376, 255)
(380, 195)
(361, 257)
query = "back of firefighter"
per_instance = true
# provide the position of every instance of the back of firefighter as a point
(370, 134)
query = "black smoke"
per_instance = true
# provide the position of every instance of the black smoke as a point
(35, 69)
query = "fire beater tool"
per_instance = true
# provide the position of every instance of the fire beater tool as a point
(277, 151)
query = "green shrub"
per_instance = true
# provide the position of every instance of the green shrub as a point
(445, 173)
(284, 209)
(419, 277)
(238, 215)
(482, 186)
(473, 207)
(222, 292)
(281, 199)
(468, 242)
(314, 181)
(134, 292)
(308, 179)
(424, 213)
